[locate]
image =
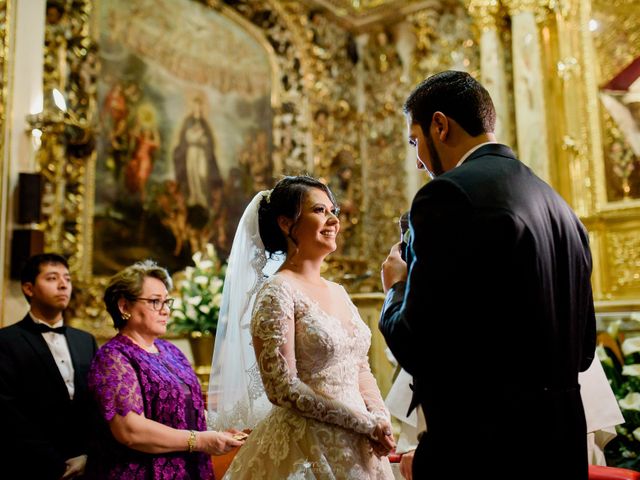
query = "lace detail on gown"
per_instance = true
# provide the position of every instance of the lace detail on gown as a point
(326, 402)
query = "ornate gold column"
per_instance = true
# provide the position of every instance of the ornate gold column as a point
(528, 83)
(369, 305)
(487, 15)
(4, 156)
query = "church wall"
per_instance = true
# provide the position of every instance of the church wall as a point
(24, 42)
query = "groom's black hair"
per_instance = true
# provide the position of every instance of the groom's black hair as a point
(285, 199)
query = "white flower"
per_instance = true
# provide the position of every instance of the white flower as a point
(631, 345)
(205, 265)
(201, 280)
(636, 434)
(205, 309)
(196, 257)
(194, 300)
(602, 355)
(613, 328)
(178, 314)
(215, 285)
(177, 303)
(188, 273)
(191, 311)
(217, 299)
(631, 401)
(631, 370)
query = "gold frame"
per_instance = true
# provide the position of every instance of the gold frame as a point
(69, 168)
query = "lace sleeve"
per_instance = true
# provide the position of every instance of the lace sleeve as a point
(274, 342)
(370, 391)
(114, 385)
(366, 381)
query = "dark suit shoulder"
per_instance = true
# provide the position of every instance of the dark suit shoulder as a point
(13, 331)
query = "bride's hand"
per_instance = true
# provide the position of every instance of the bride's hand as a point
(382, 440)
(216, 443)
(378, 449)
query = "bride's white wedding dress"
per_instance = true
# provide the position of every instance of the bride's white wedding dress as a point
(326, 399)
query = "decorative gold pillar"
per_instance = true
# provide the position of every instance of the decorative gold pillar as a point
(487, 16)
(573, 111)
(369, 306)
(4, 156)
(528, 84)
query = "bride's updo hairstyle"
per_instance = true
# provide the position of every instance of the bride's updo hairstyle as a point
(285, 199)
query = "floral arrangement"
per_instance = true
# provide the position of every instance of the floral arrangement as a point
(199, 294)
(620, 360)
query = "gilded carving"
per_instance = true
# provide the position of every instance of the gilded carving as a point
(4, 56)
(67, 159)
(337, 115)
(5, 25)
(616, 41)
(624, 253)
(486, 13)
(540, 8)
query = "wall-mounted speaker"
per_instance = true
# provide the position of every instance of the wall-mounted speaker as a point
(29, 198)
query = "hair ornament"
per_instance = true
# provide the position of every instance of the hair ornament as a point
(267, 195)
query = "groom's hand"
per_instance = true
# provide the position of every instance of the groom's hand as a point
(394, 269)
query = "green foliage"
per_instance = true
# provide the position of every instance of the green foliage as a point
(624, 450)
(197, 304)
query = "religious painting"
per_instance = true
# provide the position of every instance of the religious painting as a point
(185, 131)
(620, 97)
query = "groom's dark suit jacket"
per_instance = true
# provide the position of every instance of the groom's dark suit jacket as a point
(495, 321)
(41, 425)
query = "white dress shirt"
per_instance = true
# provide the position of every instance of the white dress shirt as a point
(60, 350)
(473, 149)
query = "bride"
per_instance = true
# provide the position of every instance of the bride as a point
(310, 399)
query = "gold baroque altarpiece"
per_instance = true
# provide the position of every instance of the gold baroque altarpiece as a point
(337, 114)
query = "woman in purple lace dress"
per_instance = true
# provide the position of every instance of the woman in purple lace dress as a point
(147, 394)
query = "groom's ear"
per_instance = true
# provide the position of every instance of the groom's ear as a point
(285, 224)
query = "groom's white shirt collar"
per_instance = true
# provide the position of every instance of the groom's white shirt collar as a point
(473, 149)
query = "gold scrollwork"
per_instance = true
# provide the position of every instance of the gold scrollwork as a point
(331, 113)
(486, 13)
(624, 252)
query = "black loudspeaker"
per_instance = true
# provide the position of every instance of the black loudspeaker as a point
(29, 198)
(25, 242)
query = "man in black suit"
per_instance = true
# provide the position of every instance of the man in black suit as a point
(44, 403)
(495, 316)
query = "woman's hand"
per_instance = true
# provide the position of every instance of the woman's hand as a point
(216, 443)
(75, 467)
(382, 438)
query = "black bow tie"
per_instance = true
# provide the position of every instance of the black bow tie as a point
(42, 328)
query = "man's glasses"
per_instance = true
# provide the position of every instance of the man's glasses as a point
(158, 304)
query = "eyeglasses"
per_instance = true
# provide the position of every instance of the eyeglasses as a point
(157, 304)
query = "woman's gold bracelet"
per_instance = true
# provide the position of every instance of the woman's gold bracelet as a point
(192, 441)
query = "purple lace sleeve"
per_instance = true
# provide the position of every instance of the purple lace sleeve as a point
(114, 384)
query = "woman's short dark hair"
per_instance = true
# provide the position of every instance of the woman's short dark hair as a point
(285, 200)
(456, 94)
(127, 284)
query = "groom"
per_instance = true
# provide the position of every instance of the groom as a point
(495, 317)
